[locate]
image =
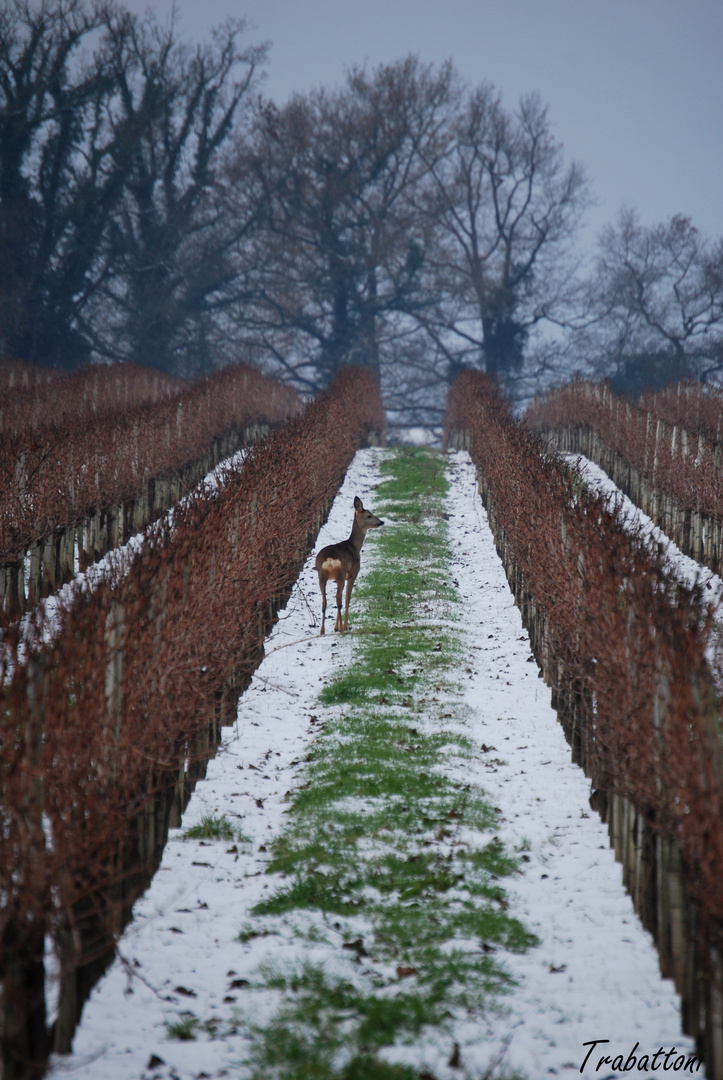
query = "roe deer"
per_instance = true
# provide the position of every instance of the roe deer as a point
(340, 563)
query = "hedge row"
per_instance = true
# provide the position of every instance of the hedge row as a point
(93, 726)
(670, 439)
(56, 475)
(693, 406)
(622, 644)
(41, 398)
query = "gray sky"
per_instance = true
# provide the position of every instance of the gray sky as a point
(634, 87)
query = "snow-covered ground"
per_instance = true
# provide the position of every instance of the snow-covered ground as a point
(594, 975)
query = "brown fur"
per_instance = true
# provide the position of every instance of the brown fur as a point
(341, 562)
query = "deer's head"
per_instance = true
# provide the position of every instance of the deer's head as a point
(365, 518)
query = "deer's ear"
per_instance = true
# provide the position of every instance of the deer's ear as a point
(357, 503)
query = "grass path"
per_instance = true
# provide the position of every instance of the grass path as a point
(389, 871)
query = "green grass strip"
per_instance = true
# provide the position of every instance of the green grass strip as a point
(390, 857)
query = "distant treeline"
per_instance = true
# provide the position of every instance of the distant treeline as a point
(155, 208)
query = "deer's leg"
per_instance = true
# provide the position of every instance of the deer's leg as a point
(349, 587)
(339, 591)
(322, 586)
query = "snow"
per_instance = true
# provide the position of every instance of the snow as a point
(683, 568)
(595, 972)
(115, 564)
(686, 569)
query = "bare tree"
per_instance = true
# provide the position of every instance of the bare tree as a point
(337, 265)
(508, 207)
(169, 243)
(110, 130)
(655, 310)
(61, 166)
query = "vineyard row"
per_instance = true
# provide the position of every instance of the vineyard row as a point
(622, 645)
(72, 492)
(670, 470)
(43, 399)
(97, 727)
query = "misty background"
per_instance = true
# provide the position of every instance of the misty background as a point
(633, 86)
(530, 188)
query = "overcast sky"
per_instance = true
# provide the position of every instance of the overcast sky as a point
(634, 87)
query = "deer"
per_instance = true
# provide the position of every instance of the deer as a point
(341, 562)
